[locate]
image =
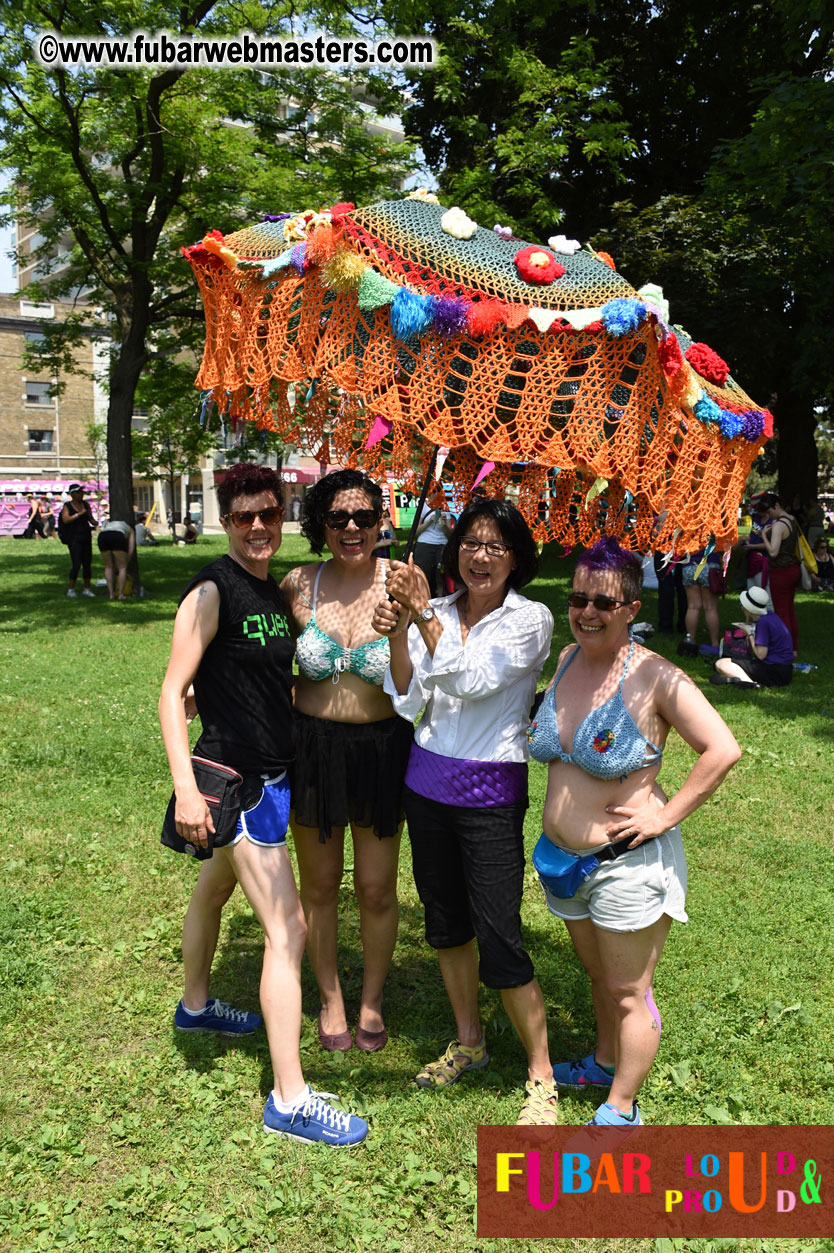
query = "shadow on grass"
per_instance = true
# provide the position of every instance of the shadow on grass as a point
(417, 1011)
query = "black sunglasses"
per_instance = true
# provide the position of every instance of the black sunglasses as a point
(245, 517)
(578, 600)
(337, 519)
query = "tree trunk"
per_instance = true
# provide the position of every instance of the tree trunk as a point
(796, 455)
(124, 376)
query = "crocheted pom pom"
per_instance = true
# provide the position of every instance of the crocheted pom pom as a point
(410, 314)
(343, 271)
(752, 425)
(708, 364)
(448, 316)
(537, 265)
(622, 316)
(339, 210)
(484, 316)
(321, 244)
(730, 424)
(669, 352)
(606, 259)
(375, 290)
(200, 256)
(455, 223)
(768, 424)
(706, 410)
(567, 247)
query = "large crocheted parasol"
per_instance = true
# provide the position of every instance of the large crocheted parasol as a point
(392, 329)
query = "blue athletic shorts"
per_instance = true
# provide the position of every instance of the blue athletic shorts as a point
(265, 821)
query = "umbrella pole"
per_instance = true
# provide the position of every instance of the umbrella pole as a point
(424, 493)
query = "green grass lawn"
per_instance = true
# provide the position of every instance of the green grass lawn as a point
(116, 1133)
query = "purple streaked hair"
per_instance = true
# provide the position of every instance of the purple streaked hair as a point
(606, 554)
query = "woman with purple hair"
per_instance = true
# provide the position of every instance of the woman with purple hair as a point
(610, 858)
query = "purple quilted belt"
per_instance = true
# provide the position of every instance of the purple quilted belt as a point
(472, 784)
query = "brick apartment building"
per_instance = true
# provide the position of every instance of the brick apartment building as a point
(43, 434)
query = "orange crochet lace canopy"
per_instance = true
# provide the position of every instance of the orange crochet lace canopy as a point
(400, 326)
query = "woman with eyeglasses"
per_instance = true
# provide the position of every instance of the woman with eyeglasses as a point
(352, 749)
(611, 857)
(469, 663)
(232, 641)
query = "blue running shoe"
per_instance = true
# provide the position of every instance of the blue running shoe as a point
(609, 1116)
(316, 1122)
(217, 1016)
(584, 1073)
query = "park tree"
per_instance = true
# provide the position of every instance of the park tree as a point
(693, 143)
(121, 168)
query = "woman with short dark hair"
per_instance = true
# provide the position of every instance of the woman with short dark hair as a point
(232, 640)
(469, 664)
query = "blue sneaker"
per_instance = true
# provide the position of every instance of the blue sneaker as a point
(584, 1073)
(316, 1122)
(217, 1016)
(609, 1116)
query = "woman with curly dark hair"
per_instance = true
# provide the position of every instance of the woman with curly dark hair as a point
(469, 664)
(352, 749)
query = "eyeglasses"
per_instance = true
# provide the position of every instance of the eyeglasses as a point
(337, 519)
(473, 546)
(578, 600)
(245, 517)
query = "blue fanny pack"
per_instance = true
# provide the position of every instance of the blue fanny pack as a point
(562, 872)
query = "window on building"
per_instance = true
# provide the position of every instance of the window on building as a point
(34, 337)
(40, 441)
(143, 497)
(38, 393)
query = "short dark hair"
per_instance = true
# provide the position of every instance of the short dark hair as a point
(606, 554)
(319, 498)
(768, 499)
(247, 479)
(514, 532)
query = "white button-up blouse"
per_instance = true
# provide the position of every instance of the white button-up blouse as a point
(477, 695)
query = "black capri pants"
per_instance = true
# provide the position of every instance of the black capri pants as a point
(469, 871)
(81, 556)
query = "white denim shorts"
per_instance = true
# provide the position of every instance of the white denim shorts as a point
(632, 892)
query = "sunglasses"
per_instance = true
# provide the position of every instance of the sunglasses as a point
(578, 600)
(337, 519)
(245, 517)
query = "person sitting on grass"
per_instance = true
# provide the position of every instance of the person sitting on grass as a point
(232, 638)
(611, 858)
(770, 663)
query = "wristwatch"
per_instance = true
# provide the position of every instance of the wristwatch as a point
(426, 615)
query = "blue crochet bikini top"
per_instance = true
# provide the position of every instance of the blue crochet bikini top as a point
(319, 655)
(607, 744)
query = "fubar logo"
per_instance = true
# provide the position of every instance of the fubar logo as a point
(655, 1181)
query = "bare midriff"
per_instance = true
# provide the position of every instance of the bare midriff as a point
(349, 700)
(574, 808)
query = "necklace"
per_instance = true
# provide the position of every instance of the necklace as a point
(463, 613)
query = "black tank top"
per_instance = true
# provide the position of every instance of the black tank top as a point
(243, 687)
